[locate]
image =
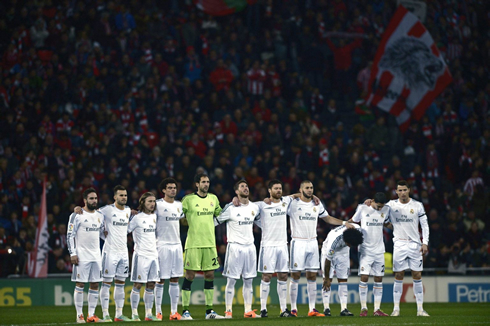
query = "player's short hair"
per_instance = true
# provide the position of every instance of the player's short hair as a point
(274, 182)
(235, 187)
(304, 182)
(199, 176)
(88, 191)
(380, 197)
(117, 188)
(353, 237)
(403, 183)
(141, 206)
(165, 182)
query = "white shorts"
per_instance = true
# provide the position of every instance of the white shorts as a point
(240, 260)
(115, 264)
(304, 255)
(144, 269)
(274, 259)
(87, 271)
(339, 266)
(407, 255)
(171, 261)
(372, 264)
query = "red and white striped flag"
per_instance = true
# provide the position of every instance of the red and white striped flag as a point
(408, 71)
(38, 258)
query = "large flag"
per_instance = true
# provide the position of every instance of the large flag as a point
(408, 71)
(222, 7)
(38, 258)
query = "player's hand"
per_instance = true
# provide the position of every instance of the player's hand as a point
(78, 210)
(235, 201)
(74, 260)
(106, 233)
(316, 200)
(368, 202)
(326, 284)
(424, 250)
(349, 225)
(267, 200)
(133, 212)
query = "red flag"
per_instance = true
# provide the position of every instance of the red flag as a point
(222, 7)
(408, 71)
(38, 258)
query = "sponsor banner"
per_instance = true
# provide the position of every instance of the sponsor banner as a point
(59, 292)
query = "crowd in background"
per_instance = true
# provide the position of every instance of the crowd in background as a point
(99, 93)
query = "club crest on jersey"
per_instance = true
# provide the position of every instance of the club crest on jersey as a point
(411, 211)
(139, 277)
(178, 210)
(188, 264)
(98, 219)
(283, 204)
(106, 271)
(253, 213)
(78, 275)
(154, 221)
(362, 269)
(211, 204)
(265, 267)
(295, 264)
(382, 214)
(127, 216)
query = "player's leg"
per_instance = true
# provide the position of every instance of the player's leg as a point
(108, 272)
(121, 274)
(232, 270)
(282, 290)
(78, 299)
(341, 264)
(149, 298)
(209, 264)
(296, 262)
(138, 276)
(417, 265)
(363, 290)
(326, 294)
(173, 288)
(378, 270)
(265, 267)
(400, 264)
(249, 272)
(159, 297)
(229, 294)
(135, 300)
(95, 277)
(312, 290)
(293, 291)
(192, 263)
(397, 292)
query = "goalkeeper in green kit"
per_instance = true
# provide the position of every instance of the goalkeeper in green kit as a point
(200, 209)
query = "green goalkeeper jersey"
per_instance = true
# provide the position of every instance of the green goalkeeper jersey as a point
(200, 212)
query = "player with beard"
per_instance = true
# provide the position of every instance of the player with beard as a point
(241, 254)
(115, 260)
(200, 209)
(304, 255)
(144, 269)
(83, 244)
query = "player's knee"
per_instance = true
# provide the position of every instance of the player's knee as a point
(365, 278)
(189, 275)
(119, 280)
(209, 275)
(94, 286)
(267, 277)
(283, 277)
(416, 275)
(377, 279)
(137, 286)
(80, 285)
(399, 275)
(172, 280)
(150, 285)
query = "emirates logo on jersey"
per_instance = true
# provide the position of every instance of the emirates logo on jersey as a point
(411, 211)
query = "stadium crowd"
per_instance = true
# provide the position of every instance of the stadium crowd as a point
(96, 93)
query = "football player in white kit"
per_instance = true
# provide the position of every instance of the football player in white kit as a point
(144, 269)
(408, 250)
(169, 247)
(304, 255)
(371, 252)
(274, 255)
(115, 260)
(335, 259)
(241, 254)
(83, 244)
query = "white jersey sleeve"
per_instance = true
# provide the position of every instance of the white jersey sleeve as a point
(168, 222)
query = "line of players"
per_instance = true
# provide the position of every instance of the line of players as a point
(158, 253)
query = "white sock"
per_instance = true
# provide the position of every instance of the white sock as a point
(78, 299)
(293, 293)
(343, 296)
(104, 298)
(378, 295)
(311, 288)
(248, 293)
(93, 298)
(418, 290)
(363, 289)
(229, 293)
(119, 296)
(148, 298)
(174, 293)
(158, 297)
(264, 294)
(326, 299)
(135, 300)
(397, 294)
(282, 291)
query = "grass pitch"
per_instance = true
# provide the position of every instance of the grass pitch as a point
(441, 314)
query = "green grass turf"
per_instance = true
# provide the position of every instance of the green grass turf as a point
(441, 314)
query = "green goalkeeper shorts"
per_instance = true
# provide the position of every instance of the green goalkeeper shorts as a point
(201, 259)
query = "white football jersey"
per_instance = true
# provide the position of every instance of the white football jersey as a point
(273, 221)
(83, 235)
(334, 243)
(372, 222)
(304, 218)
(168, 222)
(116, 224)
(239, 222)
(143, 227)
(406, 218)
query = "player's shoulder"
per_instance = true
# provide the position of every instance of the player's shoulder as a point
(254, 205)
(190, 196)
(98, 213)
(159, 200)
(212, 196)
